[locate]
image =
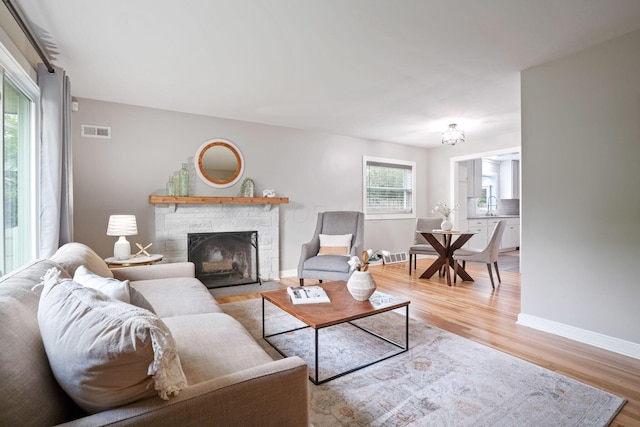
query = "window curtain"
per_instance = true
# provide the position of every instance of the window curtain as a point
(56, 181)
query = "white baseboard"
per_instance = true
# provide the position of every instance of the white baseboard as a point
(288, 273)
(595, 339)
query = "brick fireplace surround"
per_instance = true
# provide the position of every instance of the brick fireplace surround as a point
(173, 221)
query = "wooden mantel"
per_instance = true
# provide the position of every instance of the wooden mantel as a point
(203, 200)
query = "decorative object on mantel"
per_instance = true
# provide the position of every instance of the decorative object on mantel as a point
(143, 250)
(183, 181)
(360, 284)
(247, 188)
(219, 163)
(171, 186)
(444, 210)
(268, 193)
(122, 225)
(452, 135)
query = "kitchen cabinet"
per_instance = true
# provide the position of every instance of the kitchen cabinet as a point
(511, 236)
(474, 177)
(484, 228)
(510, 179)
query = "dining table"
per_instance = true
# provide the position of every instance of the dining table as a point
(451, 241)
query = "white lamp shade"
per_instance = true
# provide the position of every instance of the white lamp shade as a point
(122, 225)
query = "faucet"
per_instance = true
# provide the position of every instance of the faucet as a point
(489, 205)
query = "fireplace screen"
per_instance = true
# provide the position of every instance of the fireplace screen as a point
(225, 258)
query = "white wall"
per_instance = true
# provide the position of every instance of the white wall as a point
(316, 171)
(581, 197)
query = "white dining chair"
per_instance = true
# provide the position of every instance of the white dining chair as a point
(488, 255)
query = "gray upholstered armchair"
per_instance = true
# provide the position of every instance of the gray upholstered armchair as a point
(331, 267)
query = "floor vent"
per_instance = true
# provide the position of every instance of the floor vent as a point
(395, 257)
(93, 131)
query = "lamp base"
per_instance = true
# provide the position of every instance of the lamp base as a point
(122, 248)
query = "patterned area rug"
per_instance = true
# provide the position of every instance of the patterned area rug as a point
(443, 380)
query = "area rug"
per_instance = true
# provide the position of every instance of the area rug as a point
(443, 380)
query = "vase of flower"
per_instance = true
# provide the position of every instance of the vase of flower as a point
(445, 211)
(361, 285)
(446, 225)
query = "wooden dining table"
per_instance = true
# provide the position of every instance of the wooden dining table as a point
(445, 251)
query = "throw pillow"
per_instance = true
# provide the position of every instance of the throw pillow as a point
(105, 353)
(335, 244)
(122, 291)
(107, 285)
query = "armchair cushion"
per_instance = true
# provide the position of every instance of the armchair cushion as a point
(328, 263)
(338, 244)
(103, 352)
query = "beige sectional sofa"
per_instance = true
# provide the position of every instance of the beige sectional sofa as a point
(230, 380)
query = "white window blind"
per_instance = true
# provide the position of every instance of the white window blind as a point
(388, 188)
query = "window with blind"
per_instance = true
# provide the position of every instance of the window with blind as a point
(389, 188)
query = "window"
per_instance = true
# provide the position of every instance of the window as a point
(388, 188)
(17, 246)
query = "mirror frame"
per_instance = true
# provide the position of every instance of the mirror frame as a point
(219, 142)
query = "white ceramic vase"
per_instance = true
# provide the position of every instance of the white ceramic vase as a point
(361, 285)
(446, 225)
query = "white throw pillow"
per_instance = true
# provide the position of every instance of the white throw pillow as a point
(107, 285)
(335, 244)
(105, 353)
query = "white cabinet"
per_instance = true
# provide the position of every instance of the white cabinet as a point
(474, 177)
(510, 179)
(479, 240)
(484, 228)
(511, 236)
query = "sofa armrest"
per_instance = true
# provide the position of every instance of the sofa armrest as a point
(273, 394)
(156, 271)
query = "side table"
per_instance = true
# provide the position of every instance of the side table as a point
(113, 262)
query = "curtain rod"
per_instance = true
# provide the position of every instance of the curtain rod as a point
(27, 32)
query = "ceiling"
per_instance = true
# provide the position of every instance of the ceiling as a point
(397, 71)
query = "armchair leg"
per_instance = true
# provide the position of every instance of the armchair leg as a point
(490, 275)
(410, 257)
(497, 271)
(301, 282)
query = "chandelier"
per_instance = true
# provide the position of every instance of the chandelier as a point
(452, 136)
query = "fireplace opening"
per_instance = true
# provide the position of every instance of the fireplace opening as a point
(225, 258)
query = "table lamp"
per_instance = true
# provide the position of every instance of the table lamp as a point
(122, 225)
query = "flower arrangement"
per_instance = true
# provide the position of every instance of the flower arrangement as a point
(444, 210)
(360, 264)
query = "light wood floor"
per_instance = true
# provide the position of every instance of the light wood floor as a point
(474, 311)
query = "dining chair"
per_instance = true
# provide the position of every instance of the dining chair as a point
(420, 245)
(488, 255)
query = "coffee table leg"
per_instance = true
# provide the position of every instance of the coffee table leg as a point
(315, 380)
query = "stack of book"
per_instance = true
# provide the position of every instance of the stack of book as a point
(307, 295)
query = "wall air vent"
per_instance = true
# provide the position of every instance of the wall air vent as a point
(393, 258)
(93, 131)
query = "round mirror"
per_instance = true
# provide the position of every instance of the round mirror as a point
(219, 163)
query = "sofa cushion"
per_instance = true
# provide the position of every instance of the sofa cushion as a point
(213, 345)
(103, 352)
(335, 244)
(24, 368)
(72, 255)
(177, 296)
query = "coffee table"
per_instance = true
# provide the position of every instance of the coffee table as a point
(343, 308)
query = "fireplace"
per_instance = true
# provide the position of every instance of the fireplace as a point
(225, 258)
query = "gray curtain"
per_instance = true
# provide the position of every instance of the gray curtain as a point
(56, 181)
